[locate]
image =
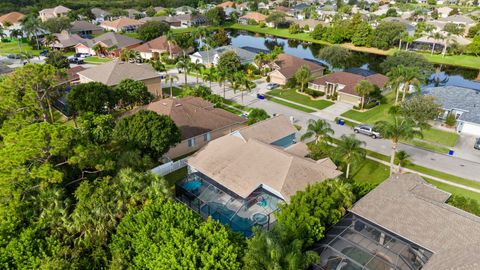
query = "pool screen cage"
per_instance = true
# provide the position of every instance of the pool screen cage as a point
(207, 198)
(355, 244)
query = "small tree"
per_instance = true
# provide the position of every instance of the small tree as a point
(336, 55)
(257, 115)
(402, 159)
(276, 18)
(350, 151)
(57, 59)
(294, 28)
(91, 97)
(133, 93)
(303, 76)
(364, 88)
(215, 16)
(451, 121)
(319, 129)
(228, 63)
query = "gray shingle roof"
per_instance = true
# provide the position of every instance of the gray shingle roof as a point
(410, 207)
(112, 39)
(454, 97)
(244, 56)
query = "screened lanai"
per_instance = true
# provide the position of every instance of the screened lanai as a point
(208, 198)
(355, 244)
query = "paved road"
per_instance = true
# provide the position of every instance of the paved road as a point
(448, 164)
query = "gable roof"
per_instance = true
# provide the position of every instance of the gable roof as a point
(258, 17)
(193, 115)
(244, 56)
(158, 44)
(12, 17)
(227, 4)
(98, 12)
(287, 65)
(113, 72)
(410, 207)
(350, 80)
(56, 10)
(242, 166)
(65, 40)
(78, 26)
(121, 22)
(269, 130)
(112, 39)
(458, 19)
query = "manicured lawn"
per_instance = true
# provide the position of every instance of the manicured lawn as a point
(97, 60)
(291, 94)
(370, 172)
(291, 105)
(441, 137)
(454, 190)
(469, 61)
(131, 34)
(12, 47)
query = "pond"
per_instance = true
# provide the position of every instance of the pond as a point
(444, 75)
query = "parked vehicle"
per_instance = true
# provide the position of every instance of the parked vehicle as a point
(477, 144)
(367, 130)
(13, 56)
(75, 60)
(44, 52)
(272, 86)
(81, 55)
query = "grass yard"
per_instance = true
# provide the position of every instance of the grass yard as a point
(291, 94)
(174, 177)
(12, 47)
(370, 172)
(468, 61)
(291, 105)
(96, 60)
(454, 190)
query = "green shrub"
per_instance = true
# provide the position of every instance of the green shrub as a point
(467, 204)
(314, 93)
(261, 24)
(450, 121)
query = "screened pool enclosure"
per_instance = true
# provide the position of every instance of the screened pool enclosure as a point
(208, 198)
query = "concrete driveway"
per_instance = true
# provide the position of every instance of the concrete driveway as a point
(464, 148)
(334, 111)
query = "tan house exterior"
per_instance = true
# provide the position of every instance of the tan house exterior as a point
(108, 40)
(121, 25)
(56, 12)
(113, 72)
(157, 47)
(285, 66)
(11, 20)
(199, 122)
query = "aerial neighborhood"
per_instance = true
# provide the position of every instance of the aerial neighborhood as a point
(257, 134)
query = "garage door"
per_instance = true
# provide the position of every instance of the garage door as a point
(470, 128)
(82, 49)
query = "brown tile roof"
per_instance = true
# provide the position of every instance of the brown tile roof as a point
(227, 4)
(289, 64)
(159, 44)
(12, 17)
(193, 115)
(72, 73)
(410, 207)
(258, 17)
(242, 166)
(350, 80)
(113, 72)
(282, 9)
(122, 22)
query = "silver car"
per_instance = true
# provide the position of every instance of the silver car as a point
(367, 130)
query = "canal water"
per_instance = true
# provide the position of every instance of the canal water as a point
(444, 75)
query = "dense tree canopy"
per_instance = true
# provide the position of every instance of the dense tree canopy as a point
(132, 93)
(57, 59)
(215, 16)
(152, 29)
(92, 97)
(407, 59)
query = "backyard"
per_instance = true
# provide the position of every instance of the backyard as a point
(12, 47)
(292, 95)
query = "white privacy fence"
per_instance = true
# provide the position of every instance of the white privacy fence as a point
(170, 167)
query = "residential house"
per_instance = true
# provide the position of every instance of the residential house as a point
(409, 26)
(158, 46)
(298, 10)
(65, 40)
(227, 4)
(241, 178)
(307, 24)
(285, 10)
(198, 120)
(184, 10)
(252, 16)
(404, 223)
(11, 20)
(121, 25)
(458, 19)
(49, 13)
(343, 84)
(444, 12)
(428, 42)
(113, 72)
(464, 103)
(100, 15)
(85, 29)
(113, 44)
(134, 14)
(285, 66)
(211, 57)
(179, 21)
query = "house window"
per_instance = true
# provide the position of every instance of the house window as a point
(206, 137)
(191, 142)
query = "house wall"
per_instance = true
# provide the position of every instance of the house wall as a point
(277, 77)
(84, 49)
(153, 86)
(317, 73)
(347, 98)
(183, 148)
(469, 128)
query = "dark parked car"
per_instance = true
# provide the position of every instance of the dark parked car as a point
(75, 60)
(367, 130)
(13, 56)
(477, 144)
(44, 53)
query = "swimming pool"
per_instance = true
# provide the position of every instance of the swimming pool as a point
(192, 185)
(228, 217)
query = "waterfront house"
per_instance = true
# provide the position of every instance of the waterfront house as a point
(285, 66)
(462, 102)
(56, 12)
(211, 57)
(252, 16)
(121, 25)
(343, 84)
(241, 178)
(198, 120)
(112, 44)
(158, 46)
(113, 72)
(405, 223)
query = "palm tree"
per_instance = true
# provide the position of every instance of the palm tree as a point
(409, 40)
(448, 39)
(402, 158)
(197, 68)
(435, 36)
(171, 78)
(222, 78)
(247, 85)
(99, 49)
(405, 76)
(397, 129)
(31, 25)
(319, 129)
(25, 56)
(350, 151)
(364, 88)
(303, 76)
(159, 67)
(184, 64)
(17, 33)
(209, 75)
(260, 60)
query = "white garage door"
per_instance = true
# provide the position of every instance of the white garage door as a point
(82, 50)
(470, 128)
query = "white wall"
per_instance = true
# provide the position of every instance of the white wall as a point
(469, 128)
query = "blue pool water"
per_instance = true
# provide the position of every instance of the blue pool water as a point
(224, 215)
(192, 185)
